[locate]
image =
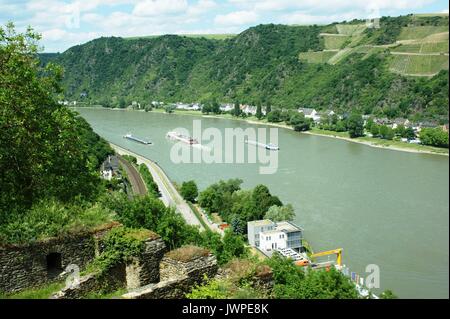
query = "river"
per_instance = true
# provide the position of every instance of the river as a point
(383, 207)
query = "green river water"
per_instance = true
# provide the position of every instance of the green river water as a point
(383, 207)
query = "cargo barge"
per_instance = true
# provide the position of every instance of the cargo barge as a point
(129, 136)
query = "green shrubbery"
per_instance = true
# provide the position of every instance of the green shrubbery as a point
(119, 245)
(434, 137)
(49, 218)
(152, 187)
(189, 191)
(237, 206)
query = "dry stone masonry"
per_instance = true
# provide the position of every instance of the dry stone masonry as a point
(41, 262)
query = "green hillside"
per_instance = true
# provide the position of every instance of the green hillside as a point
(343, 66)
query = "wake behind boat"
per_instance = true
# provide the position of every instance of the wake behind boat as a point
(270, 146)
(182, 138)
(129, 136)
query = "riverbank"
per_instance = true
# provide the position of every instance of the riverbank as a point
(368, 141)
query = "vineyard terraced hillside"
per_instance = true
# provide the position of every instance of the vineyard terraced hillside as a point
(397, 70)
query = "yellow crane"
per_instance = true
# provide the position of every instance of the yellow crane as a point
(337, 252)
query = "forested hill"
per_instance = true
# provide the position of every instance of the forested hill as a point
(399, 69)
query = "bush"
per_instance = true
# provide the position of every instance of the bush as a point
(434, 137)
(50, 218)
(189, 191)
(152, 187)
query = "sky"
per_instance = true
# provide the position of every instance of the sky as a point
(63, 23)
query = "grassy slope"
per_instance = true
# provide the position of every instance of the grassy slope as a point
(43, 292)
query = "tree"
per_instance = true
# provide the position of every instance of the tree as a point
(169, 108)
(434, 137)
(299, 122)
(189, 191)
(259, 113)
(369, 124)
(233, 246)
(400, 130)
(46, 150)
(386, 132)
(291, 282)
(409, 133)
(280, 213)
(274, 116)
(374, 130)
(355, 125)
(215, 107)
(237, 109)
(268, 109)
(263, 200)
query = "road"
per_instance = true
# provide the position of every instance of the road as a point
(169, 194)
(135, 179)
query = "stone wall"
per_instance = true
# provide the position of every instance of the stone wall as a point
(169, 289)
(177, 278)
(25, 266)
(114, 280)
(140, 271)
(195, 269)
(144, 269)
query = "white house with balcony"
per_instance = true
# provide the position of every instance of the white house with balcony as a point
(269, 236)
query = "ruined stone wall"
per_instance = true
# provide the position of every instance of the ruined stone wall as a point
(115, 279)
(177, 278)
(168, 289)
(144, 269)
(140, 271)
(25, 266)
(195, 269)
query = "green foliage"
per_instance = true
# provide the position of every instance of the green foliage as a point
(43, 292)
(119, 245)
(152, 187)
(260, 64)
(280, 213)
(150, 213)
(130, 158)
(355, 125)
(213, 198)
(46, 150)
(237, 110)
(274, 116)
(292, 282)
(169, 108)
(434, 137)
(385, 132)
(259, 113)
(388, 294)
(236, 206)
(212, 289)
(299, 122)
(239, 284)
(189, 191)
(49, 218)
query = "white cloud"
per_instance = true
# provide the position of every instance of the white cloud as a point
(303, 18)
(160, 7)
(236, 18)
(329, 5)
